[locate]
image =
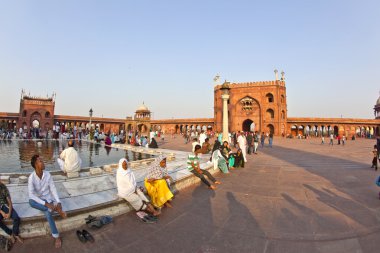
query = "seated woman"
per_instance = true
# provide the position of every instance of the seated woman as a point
(155, 183)
(216, 146)
(236, 160)
(225, 150)
(128, 190)
(153, 144)
(219, 161)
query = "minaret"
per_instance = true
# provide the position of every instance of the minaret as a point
(276, 74)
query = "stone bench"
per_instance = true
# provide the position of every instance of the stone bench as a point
(96, 194)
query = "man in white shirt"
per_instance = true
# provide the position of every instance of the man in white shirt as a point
(331, 140)
(242, 142)
(69, 160)
(202, 138)
(20, 132)
(43, 195)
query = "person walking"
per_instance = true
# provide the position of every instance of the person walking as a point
(242, 144)
(249, 142)
(262, 139)
(375, 157)
(331, 140)
(270, 140)
(255, 142)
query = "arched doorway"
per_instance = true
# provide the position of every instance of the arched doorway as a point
(336, 131)
(247, 124)
(270, 128)
(142, 128)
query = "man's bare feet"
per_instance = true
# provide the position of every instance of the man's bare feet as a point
(156, 212)
(12, 238)
(212, 187)
(58, 243)
(217, 182)
(18, 238)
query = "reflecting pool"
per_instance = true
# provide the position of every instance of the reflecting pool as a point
(15, 155)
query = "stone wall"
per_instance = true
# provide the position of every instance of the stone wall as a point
(261, 103)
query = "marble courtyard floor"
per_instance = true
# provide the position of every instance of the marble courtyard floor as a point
(299, 196)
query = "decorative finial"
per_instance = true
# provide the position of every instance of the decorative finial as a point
(216, 79)
(276, 74)
(282, 75)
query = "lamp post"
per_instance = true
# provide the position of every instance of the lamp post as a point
(90, 112)
(225, 96)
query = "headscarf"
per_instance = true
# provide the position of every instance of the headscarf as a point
(127, 173)
(156, 171)
(216, 146)
(239, 158)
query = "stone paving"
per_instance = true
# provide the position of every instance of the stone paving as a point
(299, 196)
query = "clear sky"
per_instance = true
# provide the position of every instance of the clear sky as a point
(113, 55)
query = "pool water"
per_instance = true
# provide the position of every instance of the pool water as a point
(15, 155)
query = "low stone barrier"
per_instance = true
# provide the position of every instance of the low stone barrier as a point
(33, 222)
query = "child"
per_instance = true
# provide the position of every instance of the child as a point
(374, 160)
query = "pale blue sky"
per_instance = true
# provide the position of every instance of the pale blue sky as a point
(113, 55)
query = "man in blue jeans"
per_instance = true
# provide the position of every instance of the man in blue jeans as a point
(44, 197)
(8, 212)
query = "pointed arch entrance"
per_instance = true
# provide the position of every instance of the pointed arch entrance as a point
(248, 125)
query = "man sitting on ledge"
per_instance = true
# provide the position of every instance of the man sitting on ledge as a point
(193, 167)
(69, 160)
(43, 195)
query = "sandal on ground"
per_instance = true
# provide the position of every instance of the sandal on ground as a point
(90, 218)
(88, 236)
(212, 187)
(145, 220)
(95, 224)
(151, 217)
(81, 237)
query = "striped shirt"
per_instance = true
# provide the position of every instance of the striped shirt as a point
(190, 159)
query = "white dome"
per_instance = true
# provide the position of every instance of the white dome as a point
(142, 108)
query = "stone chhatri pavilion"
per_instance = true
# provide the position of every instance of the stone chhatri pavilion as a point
(259, 106)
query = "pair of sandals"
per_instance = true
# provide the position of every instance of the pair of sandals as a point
(84, 236)
(146, 218)
(95, 222)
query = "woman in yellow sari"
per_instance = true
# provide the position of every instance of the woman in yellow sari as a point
(155, 183)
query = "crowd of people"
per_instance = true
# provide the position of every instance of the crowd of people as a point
(225, 155)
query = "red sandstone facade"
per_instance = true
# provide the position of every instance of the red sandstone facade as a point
(258, 106)
(255, 106)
